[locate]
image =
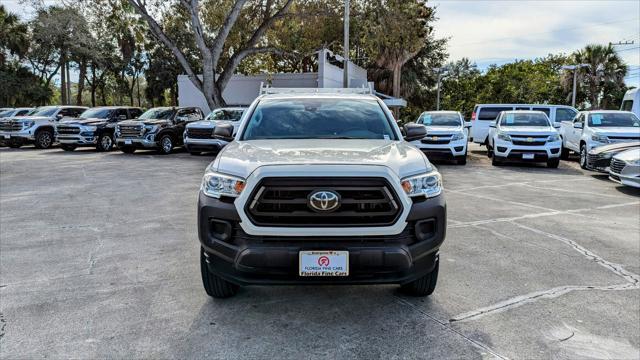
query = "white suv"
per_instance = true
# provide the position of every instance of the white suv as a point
(524, 136)
(318, 186)
(446, 136)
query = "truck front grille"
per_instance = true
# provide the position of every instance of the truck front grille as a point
(199, 133)
(130, 131)
(624, 138)
(437, 139)
(617, 166)
(526, 140)
(283, 202)
(67, 130)
(10, 126)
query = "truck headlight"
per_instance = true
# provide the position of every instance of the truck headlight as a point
(150, 128)
(504, 137)
(634, 162)
(429, 185)
(600, 138)
(28, 124)
(89, 128)
(216, 185)
(554, 138)
(457, 136)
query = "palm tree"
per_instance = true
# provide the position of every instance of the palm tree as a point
(14, 37)
(605, 74)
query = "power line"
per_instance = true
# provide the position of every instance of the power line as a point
(633, 48)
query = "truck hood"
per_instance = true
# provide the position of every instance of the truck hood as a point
(628, 155)
(31, 118)
(617, 131)
(84, 122)
(528, 130)
(241, 158)
(439, 130)
(144, 122)
(210, 124)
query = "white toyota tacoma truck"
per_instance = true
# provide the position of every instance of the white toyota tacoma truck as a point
(591, 129)
(320, 186)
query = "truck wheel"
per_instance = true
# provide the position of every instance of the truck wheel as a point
(214, 285)
(553, 163)
(564, 155)
(127, 149)
(462, 160)
(583, 156)
(495, 161)
(44, 139)
(67, 147)
(166, 144)
(105, 143)
(425, 285)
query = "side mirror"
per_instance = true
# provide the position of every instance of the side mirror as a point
(181, 119)
(492, 126)
(467, 124)
(577, 125)
(414, 132)
(557, 125)
(122, 117)
(223, 132)
(59, 116)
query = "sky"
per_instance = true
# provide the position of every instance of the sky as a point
(501, 31)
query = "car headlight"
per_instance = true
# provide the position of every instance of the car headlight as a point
(89, 128)
(504, 137)
(600, 138)
(634, 162)
(28, 124)
(429, 185)
(457, 136)
(554, 138)
(151, 128)
(216, 185)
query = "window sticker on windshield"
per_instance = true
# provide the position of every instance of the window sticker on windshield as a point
(596, 119)
(510, 118)
(426, 119)
(386, 137)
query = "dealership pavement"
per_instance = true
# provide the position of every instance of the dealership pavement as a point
(99, 258)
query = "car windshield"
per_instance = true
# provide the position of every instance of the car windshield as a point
(158, 113)
(225, 114)
(318, 118)
(439, 119)
(46, 111)
(614, 120)
(5, 113)
(524, 119)
(96, 113)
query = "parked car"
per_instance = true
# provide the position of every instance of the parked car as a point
(599, 158)
(485, 114)
(446, 138)
(159, 128)
(631, 101)
(590, 129)
(320, 188)
(524, 136)
(37, 128)
(9, 113)
(199, 134)
(95, 127)
(625, 168)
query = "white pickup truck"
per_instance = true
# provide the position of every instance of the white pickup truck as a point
(590, 129)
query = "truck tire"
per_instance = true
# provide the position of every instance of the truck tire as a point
(166, 144)
(583, 156)
(564, 153)
(67, 147)
(105, 142)
(127, 149)
(462, 160)
(553, 163)
(214, 285)
(495, 161)
(44, 139)
(425, 285)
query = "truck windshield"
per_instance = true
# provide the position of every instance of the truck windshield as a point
(96, 113)
(524, 119)
(613, 120)
(439, 119)
(158, 113)
(46, 111)
(5, 113)
(224, 114)
(318, 118)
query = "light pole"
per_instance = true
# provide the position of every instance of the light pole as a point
(575, 69)
(345, 72)
(441, 74)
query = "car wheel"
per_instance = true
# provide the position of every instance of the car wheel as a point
(166, 144)
(67, 147)
(425, 285)
(105, 143)
(127, 149)
(214, 285)
(553, 163)
(44, 139)
(583, 156)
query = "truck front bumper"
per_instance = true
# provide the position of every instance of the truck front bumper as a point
(251, 259)
(17, 136)
(77, 140)
(509, 151)
(204, 144)
(451, 151)
(147, 142)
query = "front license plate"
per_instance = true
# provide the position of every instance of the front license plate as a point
(324, 263)
(7, 136)
(127, 142)
(528, 156)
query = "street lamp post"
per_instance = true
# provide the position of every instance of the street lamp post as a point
(575, 69)
(441, 75)
(345, 72)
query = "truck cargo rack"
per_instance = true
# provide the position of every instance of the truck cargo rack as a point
(266, 89)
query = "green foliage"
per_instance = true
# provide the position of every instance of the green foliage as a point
(20, 87)
(14, 37)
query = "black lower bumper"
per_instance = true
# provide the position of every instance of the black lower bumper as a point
(248, 259)
(202, 147)
(441, 154)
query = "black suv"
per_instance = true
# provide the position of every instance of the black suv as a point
(160, 128)
(94, 127)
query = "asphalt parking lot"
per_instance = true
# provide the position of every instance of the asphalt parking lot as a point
(99, 258)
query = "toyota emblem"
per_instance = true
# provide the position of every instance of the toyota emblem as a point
(324, 201)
